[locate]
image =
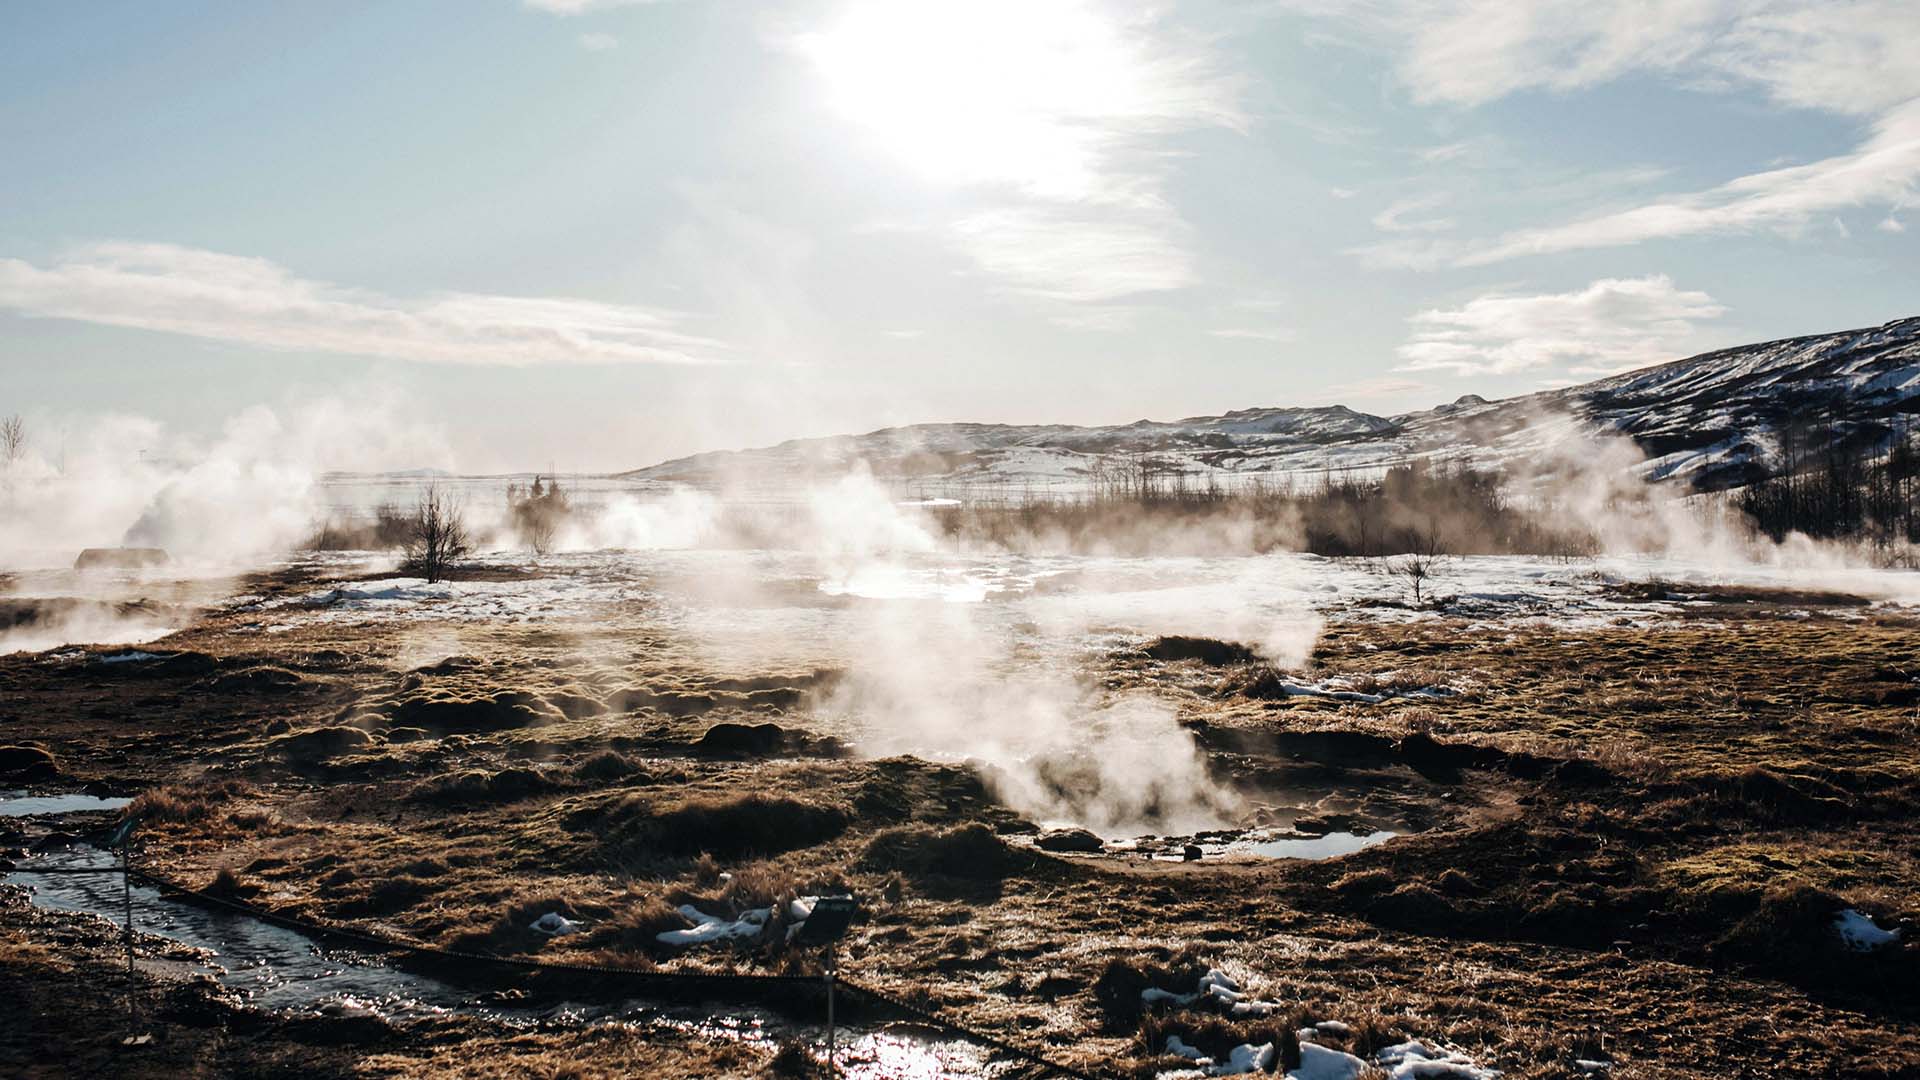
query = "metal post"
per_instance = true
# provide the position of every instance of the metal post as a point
(830, 1032)
(126, 894)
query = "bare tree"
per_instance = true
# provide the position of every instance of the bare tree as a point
(13, 446)
(437, 536)
(13, 439)
(1419, 563)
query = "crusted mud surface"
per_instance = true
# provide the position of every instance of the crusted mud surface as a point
(1619, 844)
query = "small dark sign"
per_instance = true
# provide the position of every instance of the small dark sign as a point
(122, 832)
(829, 921)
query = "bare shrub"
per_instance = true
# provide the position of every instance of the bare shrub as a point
(1419, 563)
(438, 536)
(538, 512)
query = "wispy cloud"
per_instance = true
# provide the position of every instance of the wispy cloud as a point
(1855, 59)
(1611, 325)
(599, 42)
(253, 301)
(1434, 155)
(1067, 255)
(1407, 252)
(1394, 217)
(1273, 334)
(1884, 172)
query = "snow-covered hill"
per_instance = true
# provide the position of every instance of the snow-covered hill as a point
(1709, 421)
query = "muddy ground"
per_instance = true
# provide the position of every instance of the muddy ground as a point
(1621, 844)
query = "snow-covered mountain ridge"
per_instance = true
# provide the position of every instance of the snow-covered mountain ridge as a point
(1709, 421)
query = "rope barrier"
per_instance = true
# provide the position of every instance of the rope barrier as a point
(764, 981)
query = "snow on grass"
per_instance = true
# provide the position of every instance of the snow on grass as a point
(1414, 1060)
(1245, 1058)
(750, 926)
(1216, 989)
(1859, 932)
(391, 590)
(554, 924)
(1324, 1063)
(412, 599)
(710, 928)
(1156, 595)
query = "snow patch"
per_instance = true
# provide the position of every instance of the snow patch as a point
(554, 924)
(1217, 989)
(1859, 933)
(1414, 1060)
(709, 928)
(1245, 1058)
(751, 924)
(1324, 1063)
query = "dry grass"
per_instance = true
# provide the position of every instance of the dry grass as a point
(1664, 903)
(189, 802)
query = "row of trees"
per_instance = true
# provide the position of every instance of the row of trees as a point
(1830, 483)
(1143, 504)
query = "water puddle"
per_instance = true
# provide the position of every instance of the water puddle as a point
(1253, 843)
(286, 972)
(1331, 846)
(16, 805)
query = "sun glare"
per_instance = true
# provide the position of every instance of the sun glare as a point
(987, 92)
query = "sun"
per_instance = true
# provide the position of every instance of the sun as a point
(996, 92)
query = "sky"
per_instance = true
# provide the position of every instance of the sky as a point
(595, 234)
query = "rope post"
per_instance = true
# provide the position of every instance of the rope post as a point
(830, 1032)
(126, 896)
(122, 838)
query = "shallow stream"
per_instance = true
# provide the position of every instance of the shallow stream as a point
(286, 972)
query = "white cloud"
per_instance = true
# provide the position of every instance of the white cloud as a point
(1393, 218)
(1853, 59)
(599, 42)
(1850, 58)
(1434, 155)
(1611, 325)
(1342, 193)
(1891, 224)
(252, 301)
(1054, 114)
(1078, 258)
(1883, 171)
(1407, 252)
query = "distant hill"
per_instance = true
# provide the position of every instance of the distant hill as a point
(1711, 422)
